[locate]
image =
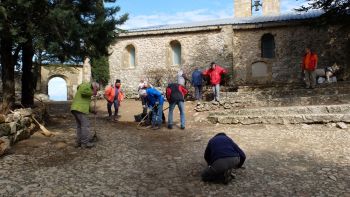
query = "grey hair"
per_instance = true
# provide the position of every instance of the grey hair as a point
(95, 85)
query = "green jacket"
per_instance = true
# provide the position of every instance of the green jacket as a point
(82, 98)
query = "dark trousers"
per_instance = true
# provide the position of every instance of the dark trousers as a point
(83, 127)
(116, 107)
(144, 105)
(215, 172)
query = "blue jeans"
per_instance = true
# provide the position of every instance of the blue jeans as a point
(216, 91)
(181, 106)
(157, 113)
(116, 107)
(198, 92)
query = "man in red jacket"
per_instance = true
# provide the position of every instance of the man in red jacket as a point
(214, 72)
(309, 66)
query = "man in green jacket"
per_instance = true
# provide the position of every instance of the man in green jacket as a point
(80, 109)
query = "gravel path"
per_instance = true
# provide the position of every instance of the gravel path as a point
(282, 160)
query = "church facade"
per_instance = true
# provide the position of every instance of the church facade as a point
(255, 49)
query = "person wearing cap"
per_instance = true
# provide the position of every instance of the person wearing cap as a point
(214, 72)
(222, 155)
(142, 90)
(114, 96)
(80, 108)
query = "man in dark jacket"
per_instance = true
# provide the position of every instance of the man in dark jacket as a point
(175, 94)
(197, 79)
(222, 155)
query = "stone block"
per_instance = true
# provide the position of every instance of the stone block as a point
(2, 118)
(4, 145)
(5, 129)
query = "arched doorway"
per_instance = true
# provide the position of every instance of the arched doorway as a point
(57, 89)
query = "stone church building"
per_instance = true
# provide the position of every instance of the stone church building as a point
(264, 49)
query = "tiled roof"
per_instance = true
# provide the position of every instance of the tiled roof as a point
(234, 21)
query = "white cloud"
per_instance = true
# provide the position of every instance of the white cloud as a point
(179, 17)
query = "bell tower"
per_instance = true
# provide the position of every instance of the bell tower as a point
(243, 8)
(271, 7)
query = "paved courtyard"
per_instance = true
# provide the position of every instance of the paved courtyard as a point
(282, 160)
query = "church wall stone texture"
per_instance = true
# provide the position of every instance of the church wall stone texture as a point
(234, 47)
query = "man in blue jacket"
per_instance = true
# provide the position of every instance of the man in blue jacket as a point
(197, 83)
(222, 155)
(155, 101)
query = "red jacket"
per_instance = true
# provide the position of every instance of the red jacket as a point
(215, 74)
(175, 92)
(310, 61)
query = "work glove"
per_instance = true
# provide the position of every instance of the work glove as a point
(156, 104)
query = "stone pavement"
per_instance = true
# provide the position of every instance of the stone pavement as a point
(282, 160)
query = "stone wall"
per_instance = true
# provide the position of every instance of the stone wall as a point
(154, 51)
(237, 47)
(16, 126)
(290, 41)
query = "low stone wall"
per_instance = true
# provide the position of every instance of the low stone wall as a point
(17, 126)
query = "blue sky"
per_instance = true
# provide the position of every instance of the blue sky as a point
(57, 89)
(158, 12)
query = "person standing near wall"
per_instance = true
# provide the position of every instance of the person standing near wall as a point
(181, 77)
(309, 65)
(175, 94)
(80, 108)
(197, 80)
(214, 72)
(114, 96)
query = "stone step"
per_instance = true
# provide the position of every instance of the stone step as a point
(280, 119)
(289, 101)
(267, 111)
(292, 86)
(288, 93)
(283, 115)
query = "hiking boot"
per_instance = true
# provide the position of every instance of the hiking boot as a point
(93, 139)
(77, 145)
(182, 128)
(88, 145)
(156, 127)
(170, 126)
(227, 176)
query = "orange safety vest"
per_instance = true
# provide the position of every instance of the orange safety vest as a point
(110, 93)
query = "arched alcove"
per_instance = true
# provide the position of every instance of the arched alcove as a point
(129, 56)
(268, 46)
(57, 89)
(175, 52)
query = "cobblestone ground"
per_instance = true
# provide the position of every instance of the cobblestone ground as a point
(282, 160)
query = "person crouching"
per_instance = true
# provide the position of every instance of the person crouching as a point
(155, 101)
(222, 155)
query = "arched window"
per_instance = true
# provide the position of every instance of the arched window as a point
(176, 52)
(130, 56)
(267, 46)
(57, 89)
